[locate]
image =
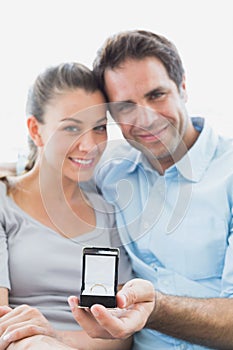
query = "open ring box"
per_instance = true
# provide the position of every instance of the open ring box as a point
(99, 276)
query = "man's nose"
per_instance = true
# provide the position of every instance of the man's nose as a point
(145, 116)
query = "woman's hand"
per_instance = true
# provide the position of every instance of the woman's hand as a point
(39, 342)
(22, 322)
(135, 303)
(4, 310)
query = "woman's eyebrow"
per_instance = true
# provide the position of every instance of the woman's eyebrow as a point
(71, 120)
(80, 121)
(104, 119)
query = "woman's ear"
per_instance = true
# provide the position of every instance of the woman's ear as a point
(34, 131)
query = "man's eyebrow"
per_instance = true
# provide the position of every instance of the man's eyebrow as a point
(153, 91)
(123, 102)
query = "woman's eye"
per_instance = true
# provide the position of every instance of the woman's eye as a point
(101, 128)
(71, 128)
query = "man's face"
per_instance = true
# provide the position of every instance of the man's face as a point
(150, 109)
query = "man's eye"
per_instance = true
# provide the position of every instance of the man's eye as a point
(156, 95)
(125, 107)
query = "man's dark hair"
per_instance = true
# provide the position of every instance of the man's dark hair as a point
(137, 44)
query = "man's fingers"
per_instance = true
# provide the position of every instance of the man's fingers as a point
(80, 314)
(86, 320)
(135, 303)
(121, 323)
(116, 322)
(136, 291)
(104, 324)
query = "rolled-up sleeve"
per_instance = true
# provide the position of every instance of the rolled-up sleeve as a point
(227, 276)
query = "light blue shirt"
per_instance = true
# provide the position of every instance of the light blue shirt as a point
(177, 228)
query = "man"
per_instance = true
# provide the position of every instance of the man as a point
(173, 197)
(173, 194)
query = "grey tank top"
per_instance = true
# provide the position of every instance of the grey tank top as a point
(41, 268)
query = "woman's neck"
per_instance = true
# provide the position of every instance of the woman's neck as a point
(57, 203)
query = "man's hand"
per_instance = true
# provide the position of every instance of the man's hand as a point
(22, 322)
(135, 303)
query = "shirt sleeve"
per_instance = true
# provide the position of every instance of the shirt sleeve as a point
(227, 276)
(4, 270)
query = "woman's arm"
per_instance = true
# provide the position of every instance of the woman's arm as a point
(25, 321)
(21, 322)
(85, 342)
(37, 342)
(3, 296)
(8, 168)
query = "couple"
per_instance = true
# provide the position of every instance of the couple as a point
(172, 196)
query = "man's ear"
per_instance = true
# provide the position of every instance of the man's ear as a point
(183, 91)
(34, 131)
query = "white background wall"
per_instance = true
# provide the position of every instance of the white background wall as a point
(38, 33)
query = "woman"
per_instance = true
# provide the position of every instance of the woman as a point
(46, 218)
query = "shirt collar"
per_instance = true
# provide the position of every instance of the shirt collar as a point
(193, 165)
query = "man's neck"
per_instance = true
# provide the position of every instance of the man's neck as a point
(162, 164)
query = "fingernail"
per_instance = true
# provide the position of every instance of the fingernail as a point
(71, 303)
(123, 299)
(6, 337)
(95, 312)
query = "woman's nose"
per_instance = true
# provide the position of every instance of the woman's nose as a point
(86, 142)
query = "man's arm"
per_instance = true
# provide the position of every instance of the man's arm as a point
(207, 322)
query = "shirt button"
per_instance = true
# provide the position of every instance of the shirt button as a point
(183, 347)
(153, 265)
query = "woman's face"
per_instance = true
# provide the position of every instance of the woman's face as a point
(74, 133)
